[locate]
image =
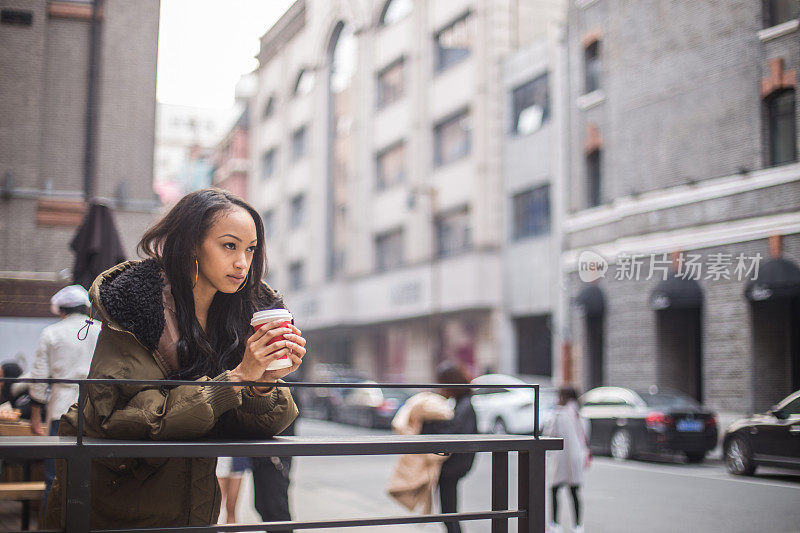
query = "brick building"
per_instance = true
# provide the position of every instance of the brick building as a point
(683, 144)
(66, 87)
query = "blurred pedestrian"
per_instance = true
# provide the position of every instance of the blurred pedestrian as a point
(464, 421)
(271, 478)
(567, 466)
(182, 313)
(229, 474)
(415, 476)
(61, 354)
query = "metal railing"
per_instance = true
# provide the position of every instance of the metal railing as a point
(78, 453)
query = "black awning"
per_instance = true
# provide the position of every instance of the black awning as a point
(777, 278)
(676, 293)
(591, 300)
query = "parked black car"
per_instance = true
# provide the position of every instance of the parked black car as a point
(626, 423)
(769, 439)
(370, 407)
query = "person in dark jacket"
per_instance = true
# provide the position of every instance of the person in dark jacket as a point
(271, 479)
(182, 313)
(464, 421)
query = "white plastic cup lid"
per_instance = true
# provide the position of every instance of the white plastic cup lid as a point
(261, 317)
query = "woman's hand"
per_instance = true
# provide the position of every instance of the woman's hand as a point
(295, 347)
(258, 353)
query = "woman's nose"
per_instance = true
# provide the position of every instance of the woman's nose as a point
(241, 262)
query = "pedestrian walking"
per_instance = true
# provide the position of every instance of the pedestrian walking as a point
(61, 354)
(271, 480)
(184, 312)
(464, 421)
(568, 465)
(229, 476)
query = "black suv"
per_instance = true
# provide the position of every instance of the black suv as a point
(770, 439)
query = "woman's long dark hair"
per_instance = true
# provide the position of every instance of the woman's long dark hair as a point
(174, 242)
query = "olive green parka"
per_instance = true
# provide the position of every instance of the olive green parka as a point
(138, 341)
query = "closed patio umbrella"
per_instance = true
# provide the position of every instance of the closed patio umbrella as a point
(96, 245)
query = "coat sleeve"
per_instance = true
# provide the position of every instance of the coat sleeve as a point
(131, 411)
(41, 370)
(260, 416)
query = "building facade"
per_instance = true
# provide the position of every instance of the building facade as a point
(78, 113)
(682, 228)
(376, 138)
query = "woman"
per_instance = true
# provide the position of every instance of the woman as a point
(230, 471)
(464, 421)
(568, 465)
(181, 313)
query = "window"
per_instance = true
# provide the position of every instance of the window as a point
(453, 43)
(389, 250)
(269, 108)
(531, 106)
(305, 83)
(792, 408)
(779, 11)
(268, 217)
(532, 212)
(395, 11)
(453, 232)
(298, 143)
(452, 139)
(593, 173)
(781, 122)
(391, 165)
(391, 83)
(592, 66)
(297, 213)
(268, 163)
(296, 275)
(16, 16)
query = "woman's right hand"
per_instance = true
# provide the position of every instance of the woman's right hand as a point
(259, 353)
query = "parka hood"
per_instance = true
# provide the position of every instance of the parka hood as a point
(128, 297)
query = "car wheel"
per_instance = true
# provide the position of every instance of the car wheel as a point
(695, 457)
(621, 445)
(499, 427)
(739, 457)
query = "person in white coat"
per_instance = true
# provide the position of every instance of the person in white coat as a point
(567, 466)
(65, 351)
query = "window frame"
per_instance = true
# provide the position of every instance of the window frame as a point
(438, 160)
(383, 184)
(770, 12)
(441, 64)
(272, 153)
(297, 210)
(522, 231)
(301, 130)
(381, 103)
(544, 79)
(594, 178)
(771, 102)
(592, 66)
(381, 263)
(465, 237)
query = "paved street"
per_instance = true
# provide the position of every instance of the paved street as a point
(651, 496)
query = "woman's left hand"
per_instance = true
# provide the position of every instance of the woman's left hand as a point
(296, 346)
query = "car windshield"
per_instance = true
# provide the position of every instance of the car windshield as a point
(665, 400)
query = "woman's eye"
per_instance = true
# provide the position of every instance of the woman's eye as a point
(229, 246)
(251, 249)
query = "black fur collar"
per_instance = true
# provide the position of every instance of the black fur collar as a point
(132, 298)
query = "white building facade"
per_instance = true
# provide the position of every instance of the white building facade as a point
(376, 141)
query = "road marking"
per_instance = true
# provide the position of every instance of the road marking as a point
(786, 485)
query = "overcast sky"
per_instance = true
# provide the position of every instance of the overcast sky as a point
(205, 45)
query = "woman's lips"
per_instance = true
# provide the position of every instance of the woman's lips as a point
(236, 278)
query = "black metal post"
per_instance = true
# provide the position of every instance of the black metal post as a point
(536, 411)
(499, 489)
(81, 407)
(78, 493)
(531, 496)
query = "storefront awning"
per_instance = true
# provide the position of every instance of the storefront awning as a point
(777, 278)
(591, 300)
(676, 293)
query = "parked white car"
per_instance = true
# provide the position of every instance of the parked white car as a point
(501, 410)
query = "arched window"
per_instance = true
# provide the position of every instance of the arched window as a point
(395, 10)
(304, 83)
(781, 127)
(342, 57)
(592, 66)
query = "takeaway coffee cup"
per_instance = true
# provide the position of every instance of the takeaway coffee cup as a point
(264, 317)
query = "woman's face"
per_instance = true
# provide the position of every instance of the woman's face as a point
(227, 251)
